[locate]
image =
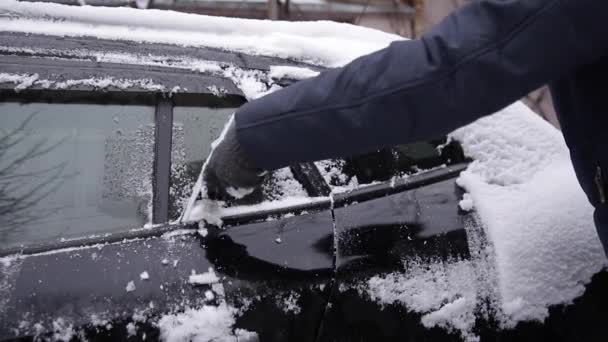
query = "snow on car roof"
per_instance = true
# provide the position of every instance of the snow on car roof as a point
(321, 42)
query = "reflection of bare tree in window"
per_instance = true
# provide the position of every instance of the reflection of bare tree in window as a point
(21, 189)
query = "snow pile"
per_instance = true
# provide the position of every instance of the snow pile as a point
(322, 42)
(209, 323)
(541, 249)
(535, 213)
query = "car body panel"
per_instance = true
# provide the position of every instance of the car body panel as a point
(422, 222)
(79, 283)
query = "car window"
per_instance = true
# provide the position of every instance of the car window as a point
(73, 170)
(194, 128)
(383, 165)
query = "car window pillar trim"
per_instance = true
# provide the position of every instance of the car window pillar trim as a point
(162, 160)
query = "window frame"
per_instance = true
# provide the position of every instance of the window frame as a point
(161, 172)
(164, 105)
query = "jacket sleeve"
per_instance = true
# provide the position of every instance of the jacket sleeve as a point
(479, 59)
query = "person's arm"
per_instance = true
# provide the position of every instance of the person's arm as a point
(476, 61)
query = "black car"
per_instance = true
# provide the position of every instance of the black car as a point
(102, 142)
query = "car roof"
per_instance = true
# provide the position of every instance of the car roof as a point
(50, 46)
(324, 43)
(77, 63)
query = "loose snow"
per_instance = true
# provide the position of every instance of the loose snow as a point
(444, 293)
(208, 323)
(21, 81)
(24, 81)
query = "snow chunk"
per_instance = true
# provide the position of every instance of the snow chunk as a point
(208, 277)
(144, 275)
(290, 303)
(466, 203)
(130, 286)
(250, 82)
(296, 73)
(131, 329)
(209, 323)
(239, 193)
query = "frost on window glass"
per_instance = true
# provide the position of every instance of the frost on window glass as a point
(73, 170)
(194, 128)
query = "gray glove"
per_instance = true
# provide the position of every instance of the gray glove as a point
(229, 173)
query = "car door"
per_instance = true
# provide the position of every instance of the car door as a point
(101, 157)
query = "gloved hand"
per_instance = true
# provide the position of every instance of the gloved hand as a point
(229, 173)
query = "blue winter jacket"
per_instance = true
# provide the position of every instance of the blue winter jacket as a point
(481, 58)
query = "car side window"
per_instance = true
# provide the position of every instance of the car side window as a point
(383, 165)
(194, 129)
(73, 170)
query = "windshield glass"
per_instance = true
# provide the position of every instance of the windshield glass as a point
(73, 170)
